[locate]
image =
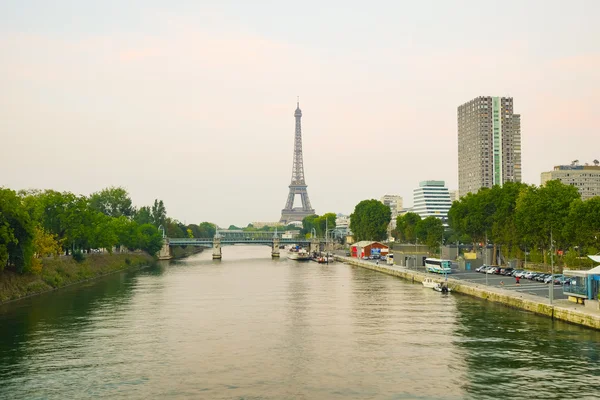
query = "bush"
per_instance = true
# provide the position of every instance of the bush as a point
(78, 256)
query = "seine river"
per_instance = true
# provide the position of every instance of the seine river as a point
(249, 327)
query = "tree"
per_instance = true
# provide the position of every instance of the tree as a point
(308, 223)
(112, 201)
(324, 222)
(543, 211)
(430, 231)
(159, 213)
(582, 227)
(16, 233)
(405, 226)
(207, 230)
(370, 220)
(143, 216)
(596, 162)
(150, 239)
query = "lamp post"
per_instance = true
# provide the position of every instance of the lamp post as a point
(551, 287)
(486, 257)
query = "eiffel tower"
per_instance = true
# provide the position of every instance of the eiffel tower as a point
(298, 185)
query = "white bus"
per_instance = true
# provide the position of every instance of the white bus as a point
(438, 266)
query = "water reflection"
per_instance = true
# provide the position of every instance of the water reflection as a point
(251, 327)
(513, 354)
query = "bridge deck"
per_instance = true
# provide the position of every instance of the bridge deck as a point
(208, 242)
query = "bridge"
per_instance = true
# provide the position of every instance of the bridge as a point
(225, 238)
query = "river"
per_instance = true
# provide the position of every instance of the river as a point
(249, 327)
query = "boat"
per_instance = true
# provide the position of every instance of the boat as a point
(298, 254)
(324, 259)
(442, 288)
(429, 283)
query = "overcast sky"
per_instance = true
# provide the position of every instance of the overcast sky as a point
(192, 102)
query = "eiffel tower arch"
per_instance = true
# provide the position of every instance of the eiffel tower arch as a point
(298, 185)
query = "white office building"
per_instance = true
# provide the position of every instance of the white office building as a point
(432, 199)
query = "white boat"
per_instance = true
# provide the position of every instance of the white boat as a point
(429, 283)
(298, 254)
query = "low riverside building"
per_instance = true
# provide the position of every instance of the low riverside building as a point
(583, 285)
(586, 178)
(365, 248)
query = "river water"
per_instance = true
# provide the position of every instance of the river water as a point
(249, 327)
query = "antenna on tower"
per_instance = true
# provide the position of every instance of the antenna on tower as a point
(298, 101)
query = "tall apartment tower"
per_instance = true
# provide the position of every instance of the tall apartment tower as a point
(489, 144)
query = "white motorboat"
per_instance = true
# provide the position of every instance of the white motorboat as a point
(429, 283)
(298, 254)
(442, 288)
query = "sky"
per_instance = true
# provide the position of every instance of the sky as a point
(192, 102)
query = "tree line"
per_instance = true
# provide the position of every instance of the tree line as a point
(519, 218)
(317, 224)
(36, 223)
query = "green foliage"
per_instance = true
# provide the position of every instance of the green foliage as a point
(518, 217)
(430, 231)
(113, 201)
(150, 239)
(308, 224)
(159, 213)
(543, 210)
(78, 256)
(143, 216)
(17, 232)
(405, 227)
(370, 220)
(34, 224)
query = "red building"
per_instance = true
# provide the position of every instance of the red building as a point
(366, 248)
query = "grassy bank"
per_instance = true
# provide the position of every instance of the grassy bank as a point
(64, 271)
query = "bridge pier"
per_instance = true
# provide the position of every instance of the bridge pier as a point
(275, 248)
(165, 251)
(216, 248)
(315, 246)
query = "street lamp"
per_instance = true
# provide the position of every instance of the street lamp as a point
(551, 287)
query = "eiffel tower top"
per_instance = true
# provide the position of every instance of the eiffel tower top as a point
(298, 112)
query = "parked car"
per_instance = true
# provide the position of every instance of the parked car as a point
(561, 280)
(507, 271)
(491, 270)
(515, 272)
(483, 268)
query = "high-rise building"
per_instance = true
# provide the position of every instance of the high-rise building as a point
(431, 199)
(394, 202)
(586, 178)
(454, 195)
(489, 144)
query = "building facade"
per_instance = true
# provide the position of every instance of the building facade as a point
(394, 202)
(586, 178)
(489, 144)
(454, 196)
(432, 199)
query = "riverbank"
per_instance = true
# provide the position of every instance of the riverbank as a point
(182, 252)
(561, 310)
(64, 271)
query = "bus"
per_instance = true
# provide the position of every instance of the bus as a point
(390, 259)
(438, 266)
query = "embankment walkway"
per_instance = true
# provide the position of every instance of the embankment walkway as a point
(564, 310)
